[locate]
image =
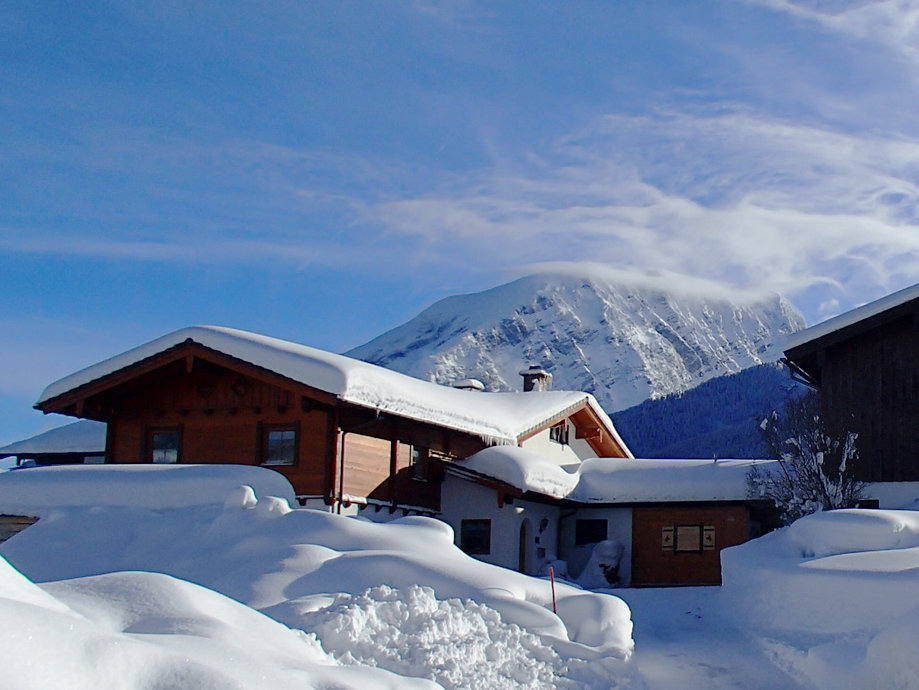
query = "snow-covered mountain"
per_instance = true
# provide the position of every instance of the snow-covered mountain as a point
(623, 341)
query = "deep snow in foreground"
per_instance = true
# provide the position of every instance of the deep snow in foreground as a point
(247, 593)
(834, 597)
(343, 598)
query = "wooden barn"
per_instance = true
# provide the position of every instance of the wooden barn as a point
(865, 365)
(346, 434)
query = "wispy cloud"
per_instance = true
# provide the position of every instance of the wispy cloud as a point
(736, 198)
(890, 23)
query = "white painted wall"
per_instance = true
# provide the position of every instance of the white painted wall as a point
(618, 526)
(576, 450)
(466, 500)
(893, 495)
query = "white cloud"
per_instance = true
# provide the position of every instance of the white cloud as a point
(734, 198)
(890, 23)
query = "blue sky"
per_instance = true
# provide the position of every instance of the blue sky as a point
(321, 171)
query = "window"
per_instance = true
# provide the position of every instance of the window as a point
(163, 446)
(559, 433)
(589, 532)
(475, 536)
(419, 463)
(279, 445)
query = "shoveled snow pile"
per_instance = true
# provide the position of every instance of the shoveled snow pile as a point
(835, 595)
(398, 596)
(411, 632)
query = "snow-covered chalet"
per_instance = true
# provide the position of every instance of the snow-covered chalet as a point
(526, 479)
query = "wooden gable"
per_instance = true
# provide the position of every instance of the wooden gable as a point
(589, 427)
(218, 406)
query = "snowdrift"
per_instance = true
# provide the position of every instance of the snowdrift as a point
(398, 596)
(845, 583)
(834, 572)
(147, 630)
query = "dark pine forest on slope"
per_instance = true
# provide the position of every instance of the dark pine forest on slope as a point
(719, 418)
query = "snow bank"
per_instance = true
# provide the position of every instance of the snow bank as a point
(852, 531)
(842, 571)
(361, 587)
(147, 630)
(835, 596)
(39, 491)
(411, 632)
(611, 480)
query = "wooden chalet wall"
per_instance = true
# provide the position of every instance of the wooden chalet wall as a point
(220, 414)
(377, 455)
(222, 407)
(870, 385)
(867, 376)
(657, 563)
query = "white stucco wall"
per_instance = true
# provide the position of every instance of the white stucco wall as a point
(465, 500)
(892, 495)
(618, 526)
(577, 449)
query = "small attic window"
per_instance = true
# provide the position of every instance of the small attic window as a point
(559, 433)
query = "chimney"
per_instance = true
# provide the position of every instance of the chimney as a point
(536, 379)
(469, 385)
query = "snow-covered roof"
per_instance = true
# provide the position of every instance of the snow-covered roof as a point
(850, 318)
(616, 480)
(85, 436)
(496, 417)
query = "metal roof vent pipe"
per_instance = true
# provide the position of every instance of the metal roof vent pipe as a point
(469, 385)
(536, 379)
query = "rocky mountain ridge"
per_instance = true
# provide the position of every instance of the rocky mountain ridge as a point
(623, 342)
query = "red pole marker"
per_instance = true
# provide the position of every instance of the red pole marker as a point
(552, 580)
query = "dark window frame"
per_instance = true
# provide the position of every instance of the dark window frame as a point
(585, 529)
(265, 431)
(149, 449)
(475, 536)
(419, 463)
(559, 433)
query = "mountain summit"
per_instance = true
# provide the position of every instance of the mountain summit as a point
(623, 341)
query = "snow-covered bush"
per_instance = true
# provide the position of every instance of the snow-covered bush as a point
(815, 469)
(602, 570)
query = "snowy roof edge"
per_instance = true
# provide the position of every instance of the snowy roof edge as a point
(84, 436)
(614, 481)
(852, 317)
(357, 382)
